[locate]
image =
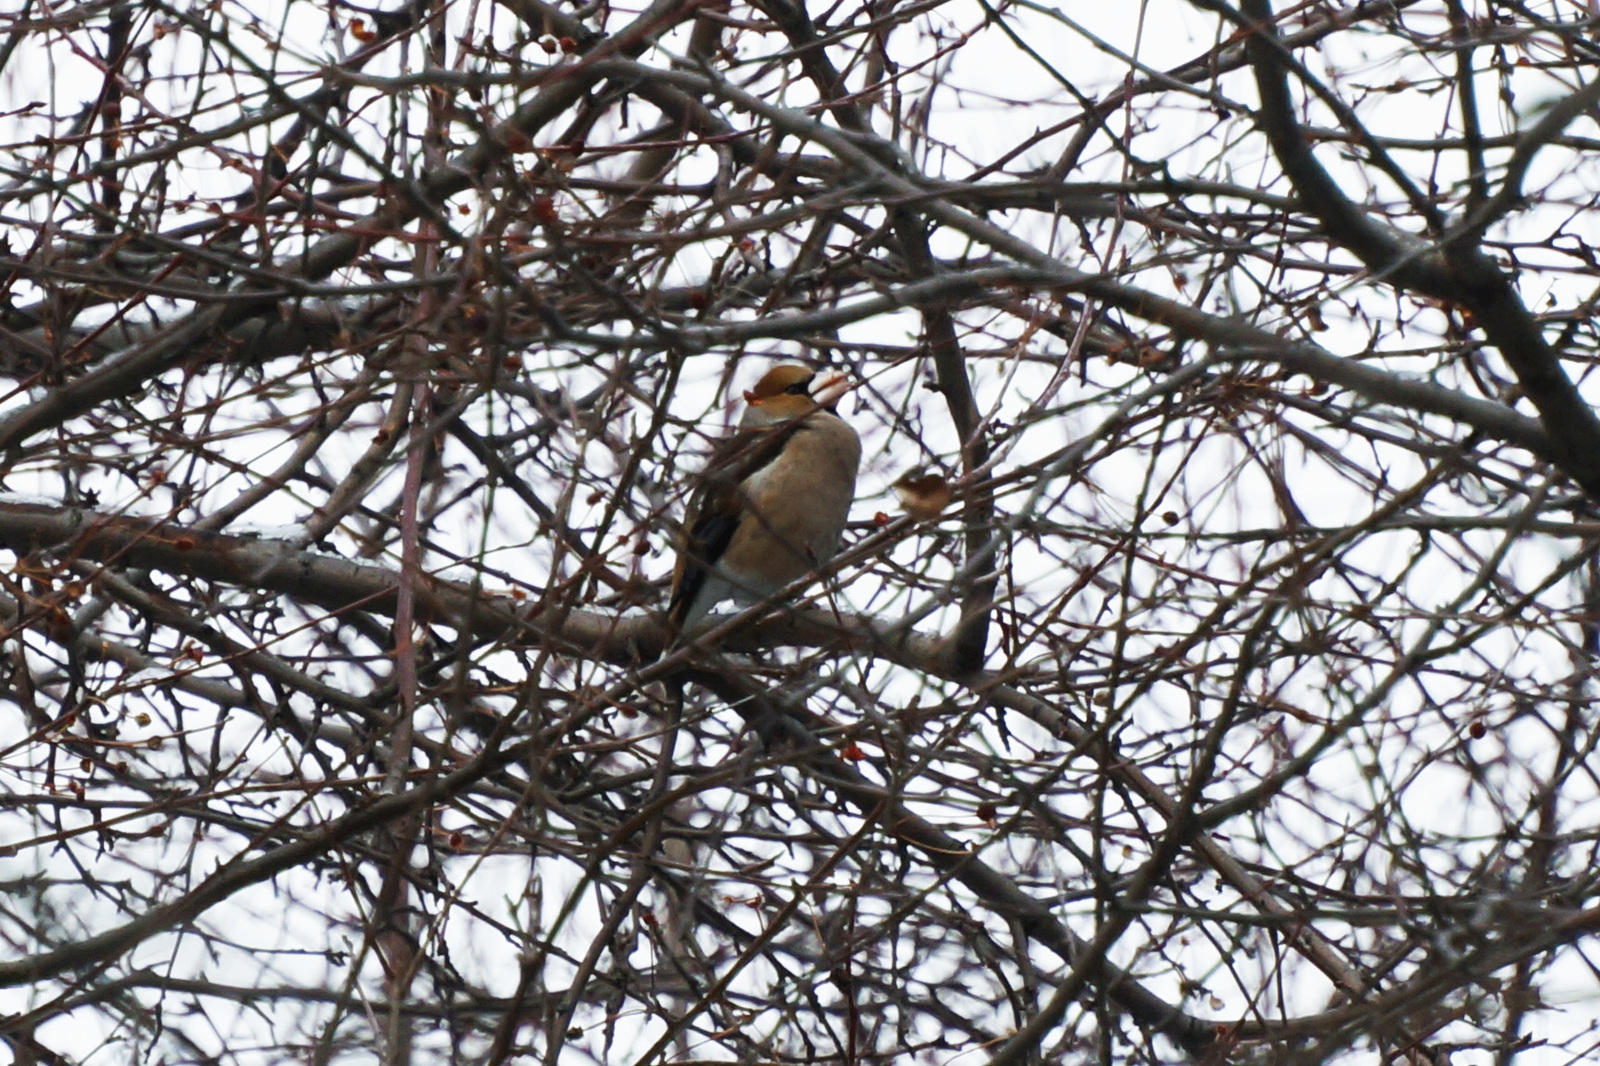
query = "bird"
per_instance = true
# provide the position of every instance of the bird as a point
(773, 499)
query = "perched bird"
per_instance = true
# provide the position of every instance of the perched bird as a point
(773, 499)
(924, 495)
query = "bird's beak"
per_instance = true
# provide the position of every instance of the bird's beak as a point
(830, 386)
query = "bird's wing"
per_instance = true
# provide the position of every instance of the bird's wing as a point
(718, 505)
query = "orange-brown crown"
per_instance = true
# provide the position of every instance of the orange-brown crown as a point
(790, 390)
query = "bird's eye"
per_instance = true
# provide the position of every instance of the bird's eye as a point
(801, 387)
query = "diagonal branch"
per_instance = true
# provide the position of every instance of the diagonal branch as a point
(1456, 271)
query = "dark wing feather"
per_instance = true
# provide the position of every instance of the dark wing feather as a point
(718, 505)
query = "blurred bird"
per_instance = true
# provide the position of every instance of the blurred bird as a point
(773, 499)
(924, 495)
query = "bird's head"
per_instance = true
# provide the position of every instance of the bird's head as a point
(792, 390)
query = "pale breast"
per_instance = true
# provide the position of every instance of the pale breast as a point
(798, 507)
